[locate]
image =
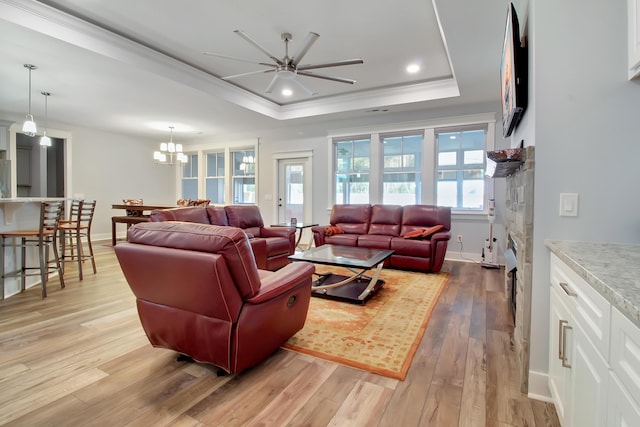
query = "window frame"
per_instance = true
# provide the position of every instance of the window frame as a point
(216, 177)
(429, 160)
(461, 166)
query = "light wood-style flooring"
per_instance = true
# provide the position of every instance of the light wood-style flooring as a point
(80, 358)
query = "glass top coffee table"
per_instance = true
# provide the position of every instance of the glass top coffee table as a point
(358, 287)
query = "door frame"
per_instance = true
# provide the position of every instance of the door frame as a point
(305, 157)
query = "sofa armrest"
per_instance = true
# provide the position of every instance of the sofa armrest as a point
(318, 234)
(441, 236)
(439, 242)
(285, 232)
(282, 281)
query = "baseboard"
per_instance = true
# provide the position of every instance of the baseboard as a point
(462, 256)
(539, 386)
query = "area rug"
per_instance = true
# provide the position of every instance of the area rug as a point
(381, 336)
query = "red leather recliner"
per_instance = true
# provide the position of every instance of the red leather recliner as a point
(271, 246)
(199, 292)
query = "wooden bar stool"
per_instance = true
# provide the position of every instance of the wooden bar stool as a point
(42, 238)
(77, 227)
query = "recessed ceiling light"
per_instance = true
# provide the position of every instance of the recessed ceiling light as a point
(413, 68)
(287, 92)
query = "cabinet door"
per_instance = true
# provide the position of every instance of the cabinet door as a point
(590, 378)
(634, 38)
(622, 411)
(560, 346)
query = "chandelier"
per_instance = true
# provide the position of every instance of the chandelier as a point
(170, 153)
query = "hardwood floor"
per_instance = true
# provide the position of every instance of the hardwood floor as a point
(80, 357)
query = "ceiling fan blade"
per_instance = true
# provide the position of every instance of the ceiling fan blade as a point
(305, 87)
(310, 40)
(331, 64)
(235, 58)
(247, 74)
(258, 46)
(272, 85)
(334, 79)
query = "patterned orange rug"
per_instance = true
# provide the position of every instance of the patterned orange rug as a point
(382, 336)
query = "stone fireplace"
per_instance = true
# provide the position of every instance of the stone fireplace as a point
(519, 235)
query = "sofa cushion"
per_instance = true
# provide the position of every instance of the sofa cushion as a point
(217, 215)
(422, 216)
(374, 241)
(418, 248)
(244, 216)
(385, 220)
(353, 219)
(342, 239)
(185, 214)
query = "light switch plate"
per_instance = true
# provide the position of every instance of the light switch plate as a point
(568, 204)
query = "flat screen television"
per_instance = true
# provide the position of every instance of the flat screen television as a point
(513, 74)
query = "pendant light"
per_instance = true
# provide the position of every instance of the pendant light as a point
(29, 126)
(45, 141)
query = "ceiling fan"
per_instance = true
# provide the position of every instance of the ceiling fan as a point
(289, 68)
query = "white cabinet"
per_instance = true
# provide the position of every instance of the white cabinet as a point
(634, 38)
(560, 347)
(590, 377)
(594, 355)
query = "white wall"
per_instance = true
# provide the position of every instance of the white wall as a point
(584, 120)
(110, 167)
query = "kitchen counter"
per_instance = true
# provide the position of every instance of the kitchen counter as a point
(612, 269)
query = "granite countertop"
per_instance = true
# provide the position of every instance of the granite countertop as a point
(612, 269)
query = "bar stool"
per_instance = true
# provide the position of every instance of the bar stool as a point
(42, 238)
(76, 228)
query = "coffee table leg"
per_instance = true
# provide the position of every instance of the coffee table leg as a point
(372, 282)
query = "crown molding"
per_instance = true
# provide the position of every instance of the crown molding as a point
(63, 26)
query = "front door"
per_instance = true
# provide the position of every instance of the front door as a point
(291, 190)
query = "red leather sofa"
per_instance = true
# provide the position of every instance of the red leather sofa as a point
(271, 245)
(385, 227)
(199, 292)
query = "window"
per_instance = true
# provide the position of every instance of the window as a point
(352, 170)
(436, 162)
(214, 182)
(402, 168)
(244, 176)
(190, 178)
(460, 168)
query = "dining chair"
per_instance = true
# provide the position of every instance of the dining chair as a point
(72, 231)
(43, 237)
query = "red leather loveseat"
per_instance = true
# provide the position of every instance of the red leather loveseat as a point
(399, 228)
(199, 292)
(271, 245)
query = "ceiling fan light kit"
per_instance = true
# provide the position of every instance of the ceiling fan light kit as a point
(288, 68)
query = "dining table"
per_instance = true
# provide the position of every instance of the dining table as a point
(134, 215)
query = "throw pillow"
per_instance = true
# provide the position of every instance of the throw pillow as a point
(432, 230)
(423, 233)
(333, 229)
(415, 234)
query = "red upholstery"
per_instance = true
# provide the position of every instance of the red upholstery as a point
(271, 246)
(385, 228)
(187, 214)
(199, 292)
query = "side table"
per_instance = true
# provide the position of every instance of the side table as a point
(299, 226)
